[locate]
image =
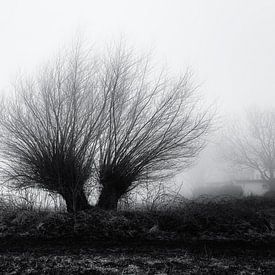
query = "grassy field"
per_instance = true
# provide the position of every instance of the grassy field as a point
(227, 236)
(146, 260)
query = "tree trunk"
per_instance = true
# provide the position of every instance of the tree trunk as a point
(76, 201)
(108, 199)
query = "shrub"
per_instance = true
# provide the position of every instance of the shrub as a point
(229, 190)
(230, 218)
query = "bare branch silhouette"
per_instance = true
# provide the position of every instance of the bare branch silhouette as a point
(51, 126)
(155, 126)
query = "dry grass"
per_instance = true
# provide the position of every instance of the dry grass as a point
(247, 219)
(129, 261)
(61, 242)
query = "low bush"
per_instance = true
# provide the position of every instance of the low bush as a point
(229, 190)
(226, 218)
(270, 194)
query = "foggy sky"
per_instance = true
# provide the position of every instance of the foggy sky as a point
(229, 45)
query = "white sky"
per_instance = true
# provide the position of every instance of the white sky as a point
(229, 44)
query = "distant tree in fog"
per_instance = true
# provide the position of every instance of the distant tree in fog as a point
(155, 126)
(50, 128)
(250, 144)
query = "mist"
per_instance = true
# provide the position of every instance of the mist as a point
(139, 135)
(229, 46)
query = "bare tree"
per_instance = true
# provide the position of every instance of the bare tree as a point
(108, 117)
(250, 144)
(51, 126)
(155, 126)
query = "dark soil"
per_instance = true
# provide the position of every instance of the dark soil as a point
(225, 237)
(137, 260)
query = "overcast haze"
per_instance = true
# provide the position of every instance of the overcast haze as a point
(229, 45)
(137, 137)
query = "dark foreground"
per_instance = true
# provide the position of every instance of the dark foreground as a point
(138, 259)
(225, 237)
